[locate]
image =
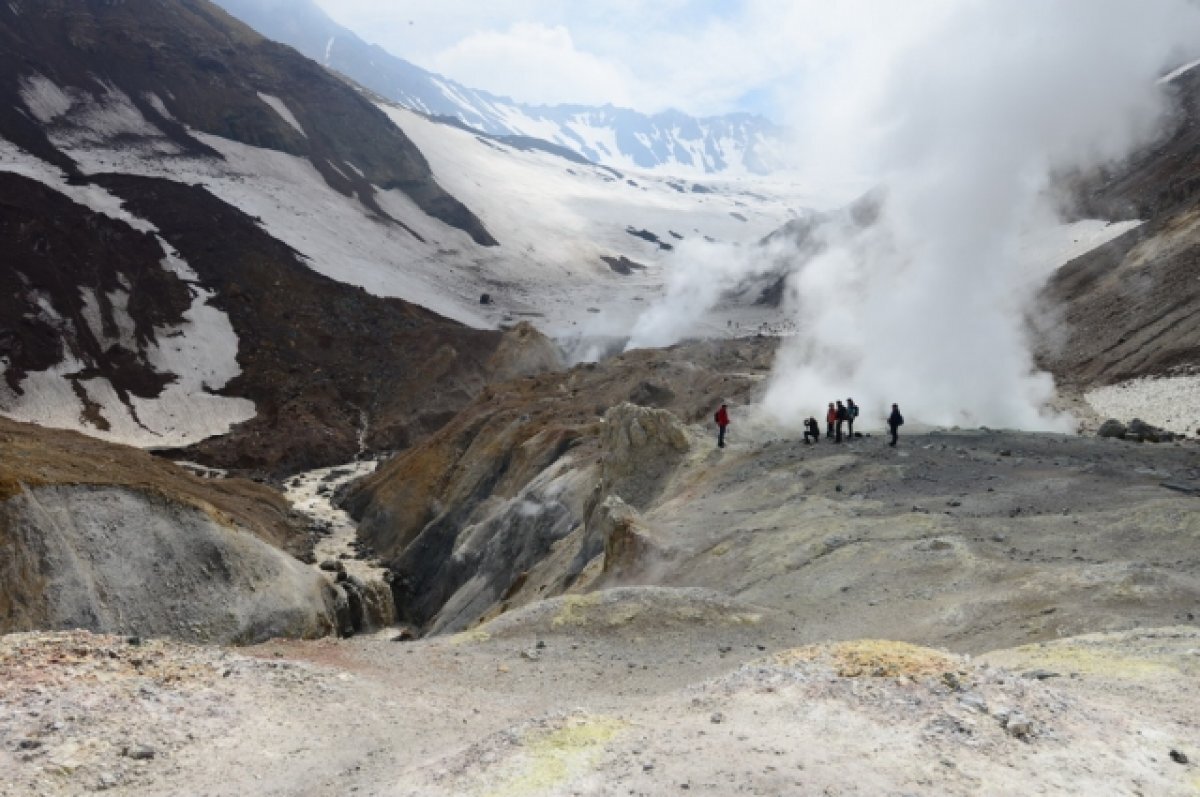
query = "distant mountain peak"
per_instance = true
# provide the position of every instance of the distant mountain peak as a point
(622, 138)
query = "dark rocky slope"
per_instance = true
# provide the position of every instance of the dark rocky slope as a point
(330, 368)
(323, 361)
(206, 70)
(1127, 309)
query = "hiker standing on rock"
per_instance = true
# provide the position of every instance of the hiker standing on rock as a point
(895, 421)
(812, 429)
(830, 421)
(851, 414)
(842, 416)
(722, 419)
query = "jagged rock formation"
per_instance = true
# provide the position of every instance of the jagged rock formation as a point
(642, 447)
(110, 539)
(629, 547)
(464, 518)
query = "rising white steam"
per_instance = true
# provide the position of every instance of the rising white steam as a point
(961, 115)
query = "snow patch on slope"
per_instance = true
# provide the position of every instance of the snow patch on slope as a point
(277, 105)
(201, 352)
(44, 99)
(555, 220)
(1172, 403)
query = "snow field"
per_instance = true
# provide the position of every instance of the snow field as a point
(1171, 402)
(201, 352)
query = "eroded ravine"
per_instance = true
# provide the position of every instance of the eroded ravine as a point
(365, 601)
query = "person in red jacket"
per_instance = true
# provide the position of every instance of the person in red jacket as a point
(830, 421)
(722, 419)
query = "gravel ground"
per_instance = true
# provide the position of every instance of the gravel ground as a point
(644, 708)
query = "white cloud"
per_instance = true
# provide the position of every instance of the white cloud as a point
(700, 56)
(538, 63)
(961, 112)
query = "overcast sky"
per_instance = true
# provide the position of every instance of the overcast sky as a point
(701, 56)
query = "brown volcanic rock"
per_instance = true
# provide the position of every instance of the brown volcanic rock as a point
(482, 501)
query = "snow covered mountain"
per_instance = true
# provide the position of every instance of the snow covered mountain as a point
(671, 141)
(211, 243)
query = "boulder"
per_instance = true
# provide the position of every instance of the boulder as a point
(629, 546)
(1111, 428)
(642, 448)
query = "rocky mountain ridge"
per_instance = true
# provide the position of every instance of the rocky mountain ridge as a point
(670, 141)
(151, 311)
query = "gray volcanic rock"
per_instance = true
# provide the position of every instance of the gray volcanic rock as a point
(109, 538)
(464, 517)
(642, 447)
(117, 560)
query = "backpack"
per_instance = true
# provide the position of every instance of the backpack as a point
(853, 410)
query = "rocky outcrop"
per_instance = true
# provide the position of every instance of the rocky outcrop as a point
(642, 447)
(502, 491)
(108, 538)
(118, 560)
(629, 547)
(1136, 430)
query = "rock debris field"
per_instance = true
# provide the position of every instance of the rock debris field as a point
(1040, 593)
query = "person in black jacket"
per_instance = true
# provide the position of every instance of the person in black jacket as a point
(813, 430)
(895, 421)
(842, 417)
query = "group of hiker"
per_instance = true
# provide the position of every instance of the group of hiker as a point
(839, 414)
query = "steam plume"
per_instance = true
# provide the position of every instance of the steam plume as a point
(961, 119)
